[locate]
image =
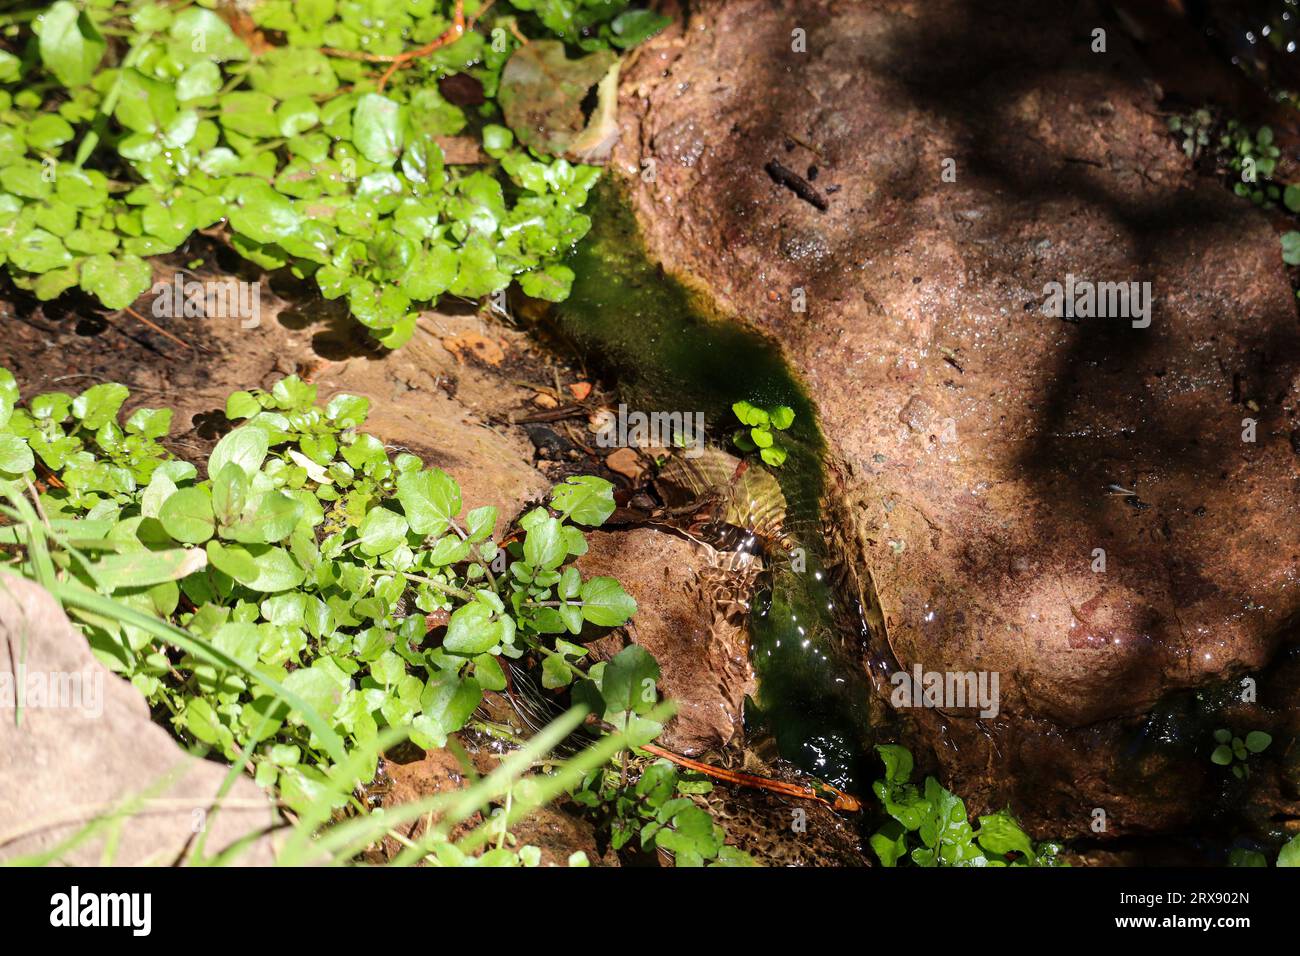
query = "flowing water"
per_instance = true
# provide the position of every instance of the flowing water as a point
(659, 344)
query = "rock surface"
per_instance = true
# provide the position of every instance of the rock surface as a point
(686, 619)
(61, 766)
(985, 454)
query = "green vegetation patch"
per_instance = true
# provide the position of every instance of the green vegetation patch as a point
(127, 125)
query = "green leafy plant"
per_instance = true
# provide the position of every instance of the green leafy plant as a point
(1195, 129)
(278, 612)
(308, 556)
(1252, 160)
(1234, 752)
(657, 811)
(929, 825)
(127, 125)
(1289, 855)
(760, 426)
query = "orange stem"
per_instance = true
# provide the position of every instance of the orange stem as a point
(157, 328)
(842, 801)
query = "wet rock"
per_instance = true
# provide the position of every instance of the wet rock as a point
(687, 618)
(969, 158)
(87, 746)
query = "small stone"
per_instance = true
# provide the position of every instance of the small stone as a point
(625, 462)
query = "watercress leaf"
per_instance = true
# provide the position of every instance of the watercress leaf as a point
(15, 456)
(381, 531)
(259, 567)
(377, 129)
(430, 499)
(628, 682)
(321, 686)
(605, 603)
(551, 283)
(571, 617)
(229, 494)
(187, 515)
(1000, 834)
(781, 417)
(556, 672)
(199, 31)
(1291, 248)
(246, 447)
(117, 281)
(898, 762)
(570, 583)
(890, 843)
(633, 27)
(242, 405)
(480, 521)
(1257, 741)
(450, 700)
(70, 45)
(347, 411)
(584, 499)
(199, 80)
(1290, 853)
(150, 422)
(544, 546)
(38, 250)
(99, 404)
(472, 630)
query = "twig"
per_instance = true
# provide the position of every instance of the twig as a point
(157, 328)
(396, 61)
(842, 801)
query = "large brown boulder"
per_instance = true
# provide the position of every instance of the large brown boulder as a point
(985, 454)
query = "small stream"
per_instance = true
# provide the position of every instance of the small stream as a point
(664, 350)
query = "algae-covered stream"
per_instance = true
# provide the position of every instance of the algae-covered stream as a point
(664, 349)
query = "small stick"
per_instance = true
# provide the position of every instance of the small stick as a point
(161, 331)
(842, 801)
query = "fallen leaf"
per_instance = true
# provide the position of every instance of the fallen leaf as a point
(486, 350)
(461, 150)
(596, 142)
(580, 390)
(542, 90)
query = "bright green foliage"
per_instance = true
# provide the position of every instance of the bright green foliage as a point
(1252, 160)
(929, 825)
(1290, 853)
(1291, 248)
(1231, 751)
(310, 556)
(658, 811)
(758, 435)
(126, 125)
(595, 24)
